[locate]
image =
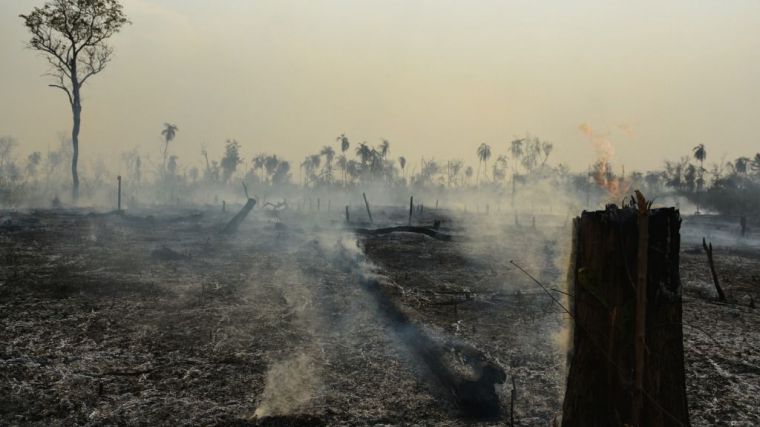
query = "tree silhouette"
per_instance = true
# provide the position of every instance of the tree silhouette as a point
(364, 152)
(402, 164)
(700, 154)
(741, 165)
(484, 153)
(169, 133)
(72, 35)
(385, 148)
(344, 144)
(516, 149)
(231, 159)
(329, 154)
(755, 164)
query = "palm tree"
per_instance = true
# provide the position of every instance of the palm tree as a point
(484, 153)
(329, 154)
(316, 160)
(385, 148)
(516, 148)
(468, 174)
(755, 164)
(364, 152)
(452, 171)
(700, 154)
(169, 132)
(270, 165)
(353, 169)
(258, 164)
(741, 165)
(344, 144)
(342, 163)
(402, 163)
(499, 168)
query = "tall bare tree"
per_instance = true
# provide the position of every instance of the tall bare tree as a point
(72, 35)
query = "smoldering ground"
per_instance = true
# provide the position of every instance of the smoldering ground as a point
(152, 315)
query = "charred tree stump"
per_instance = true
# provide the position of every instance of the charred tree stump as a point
(234, 223)
(709, 251)
(610, 382)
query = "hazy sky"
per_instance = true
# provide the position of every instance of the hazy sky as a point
(436, 78)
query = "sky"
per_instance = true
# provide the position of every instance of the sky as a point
(434, 77)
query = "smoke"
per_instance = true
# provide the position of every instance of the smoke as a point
(292, 383)
(290, 387)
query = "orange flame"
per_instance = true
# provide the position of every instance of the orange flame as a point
(601, 174)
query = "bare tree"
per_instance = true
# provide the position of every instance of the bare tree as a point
(72, 35)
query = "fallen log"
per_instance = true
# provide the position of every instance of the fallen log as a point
(234, 223)
(404, 229)
(476, 396)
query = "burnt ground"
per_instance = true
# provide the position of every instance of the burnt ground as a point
(154, 318)
(722, 340)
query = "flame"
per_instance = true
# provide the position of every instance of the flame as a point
(604, 149)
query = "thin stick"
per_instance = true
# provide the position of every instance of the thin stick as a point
(366, 203)
(709, 251)
(411, 207)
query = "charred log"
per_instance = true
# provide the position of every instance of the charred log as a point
(404, 229)
(234, 223)
(475, 398)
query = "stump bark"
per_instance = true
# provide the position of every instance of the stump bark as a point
(601, 383)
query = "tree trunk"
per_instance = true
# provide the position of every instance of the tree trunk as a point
(604, 273)
(76, 109)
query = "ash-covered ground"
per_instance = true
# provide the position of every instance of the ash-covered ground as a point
(155, 317)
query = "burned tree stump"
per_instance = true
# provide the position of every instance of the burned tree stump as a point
(604, 373)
